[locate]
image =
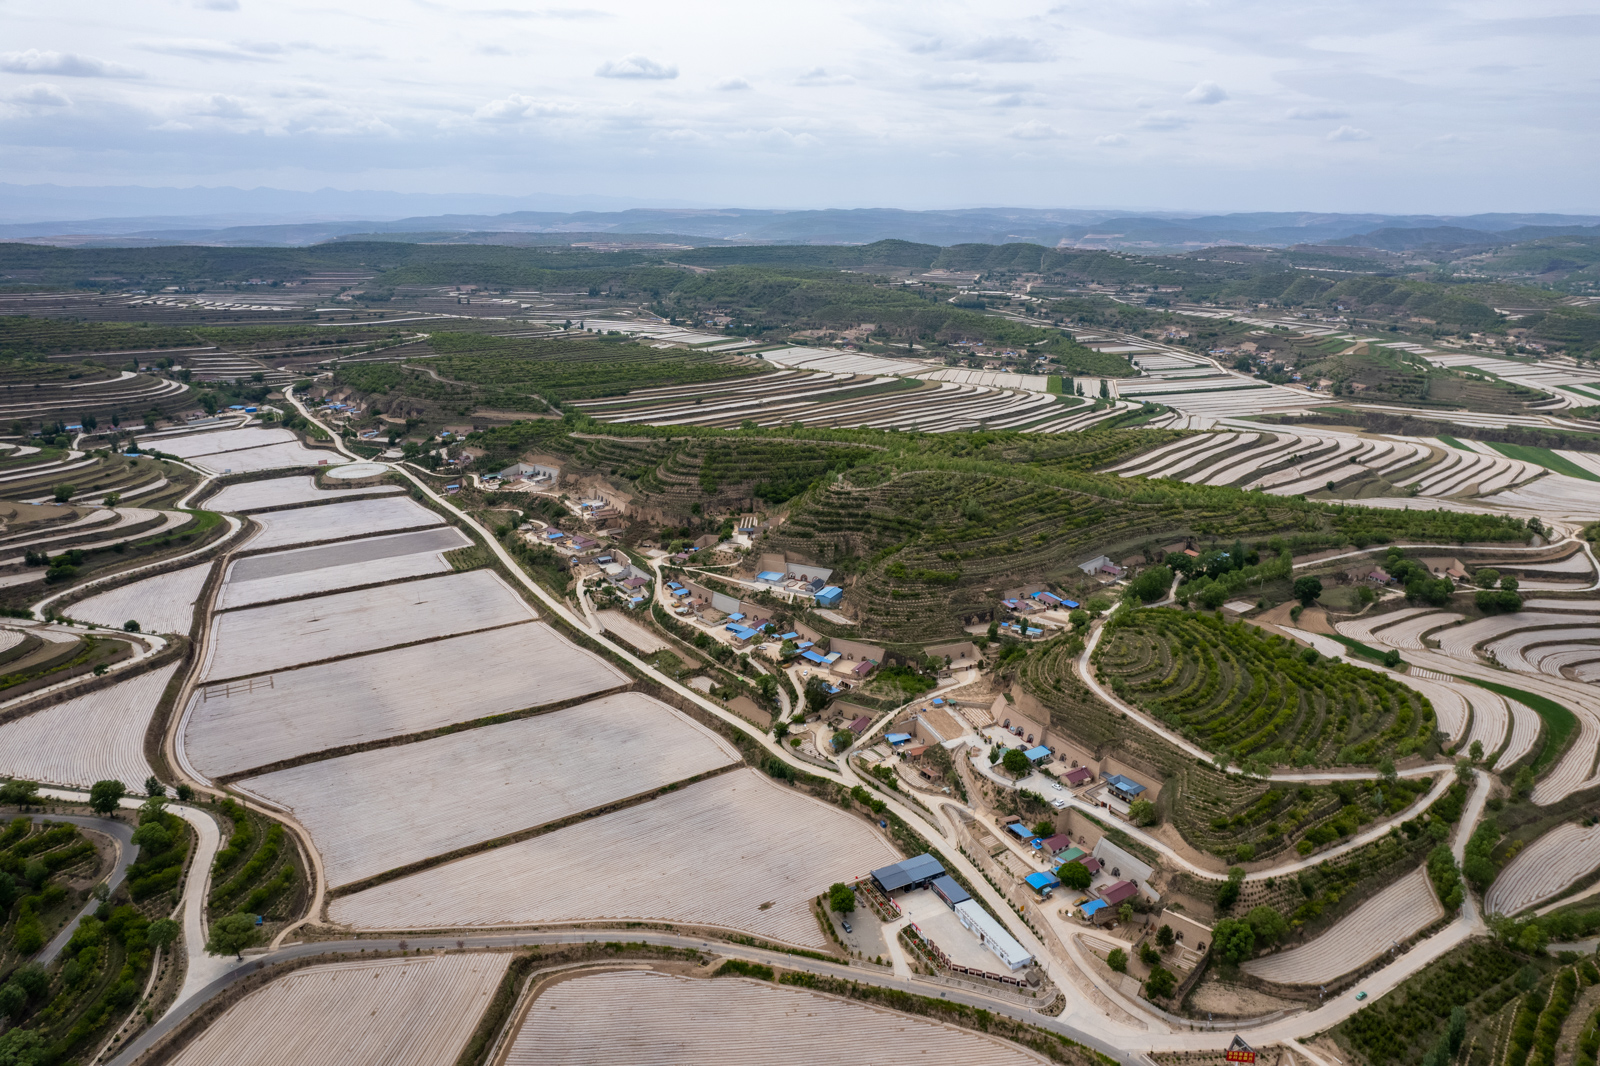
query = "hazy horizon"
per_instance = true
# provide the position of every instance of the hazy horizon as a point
(1355, 108)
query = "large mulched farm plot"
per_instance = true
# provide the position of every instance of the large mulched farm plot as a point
(1544, 868)
(1403, 909)
(234, 727)
(258, 639)
(96, 737)
(632, 630)
(654, 1019)
(227, 440)
(736, 852)
(345, 564)
(285, 492)
(376, 810)
(386, 1012)
(161, 604)
(271, 457)
(335, 521)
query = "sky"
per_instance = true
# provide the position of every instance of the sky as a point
(1228, 105)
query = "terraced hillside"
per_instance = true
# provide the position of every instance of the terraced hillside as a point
(1215, 812)
(925, 548)
(1234, 690)
(36, 393)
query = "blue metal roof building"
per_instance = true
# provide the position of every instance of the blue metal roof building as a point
(1125, 787)
(830, 596)
(1042, 883)
(949, 891)
(914, 872)
(1038, 753)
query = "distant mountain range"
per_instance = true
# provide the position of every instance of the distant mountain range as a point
(135, 216)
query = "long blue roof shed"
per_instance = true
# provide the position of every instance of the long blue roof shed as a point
(1042, 882)
(950, 890)
(908, 873)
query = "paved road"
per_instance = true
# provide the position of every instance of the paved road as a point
(200, 967)
(127, 852)
(790, 962)
(1041, 784)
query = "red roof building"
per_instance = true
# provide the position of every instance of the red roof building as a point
(1116, 893)
(1081, 776)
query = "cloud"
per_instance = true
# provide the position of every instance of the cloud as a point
(781, 139)
(730, 85)
(517, 107)
(928, 47)
(1207, 92)
(1034, 130)
(221, 105)
(976, 83)
(200, 48)
(1111, 140)
(1349, 133)
(1015, 99)
(821, 76)
(38, 95)
(1006, 49)
(682, 135)
(1316, 113)
(217, 5)
(63, 64)
(636, 66)
(1163, 120)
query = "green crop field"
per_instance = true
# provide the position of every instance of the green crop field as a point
(563, 369)
(1560, 724)
(1546, 458)
(1236, 691)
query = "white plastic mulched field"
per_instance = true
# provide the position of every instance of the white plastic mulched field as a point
(379, 809)
(187, 446)
(271, 457)
(160, 604)
(770, 849)
(335, 521)
(277, 637)
(1544, 868)
(285, 492)
(95, 737)
(385, 1012)
(1403, 909)
(633, 630)
(654, 1019)
(234, 727)
(345, 564)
